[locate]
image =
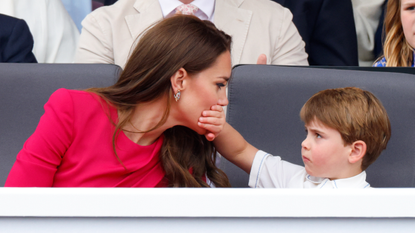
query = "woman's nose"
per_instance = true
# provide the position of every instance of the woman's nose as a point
(223, 100)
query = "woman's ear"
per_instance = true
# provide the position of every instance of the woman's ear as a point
(358, 151)
(178, 80)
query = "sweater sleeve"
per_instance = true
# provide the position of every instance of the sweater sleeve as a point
(37, 163)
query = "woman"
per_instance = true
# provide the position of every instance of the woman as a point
(400, 40)
(147, 129)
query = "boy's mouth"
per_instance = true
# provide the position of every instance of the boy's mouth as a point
(305, 159)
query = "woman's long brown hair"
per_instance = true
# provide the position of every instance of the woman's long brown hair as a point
(396, 49)
(176, 42)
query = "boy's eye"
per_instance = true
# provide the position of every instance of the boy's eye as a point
(318, 135)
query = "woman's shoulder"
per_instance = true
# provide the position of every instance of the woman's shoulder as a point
(380, 62)
(66, 94)
(78, 98)
(81, 104)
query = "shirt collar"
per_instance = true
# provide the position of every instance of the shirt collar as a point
(206, 6)
(358, 181)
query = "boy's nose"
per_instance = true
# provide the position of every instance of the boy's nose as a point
(304, 144)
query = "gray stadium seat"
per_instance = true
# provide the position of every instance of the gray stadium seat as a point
(25, 88)
(264, 106)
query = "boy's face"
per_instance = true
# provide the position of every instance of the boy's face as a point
(324, 153)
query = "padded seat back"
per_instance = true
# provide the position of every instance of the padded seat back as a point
(25, 88)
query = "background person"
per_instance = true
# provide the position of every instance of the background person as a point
(328, 30)
(54, 33)
(16, 42)
(256, 26)
(399, 25)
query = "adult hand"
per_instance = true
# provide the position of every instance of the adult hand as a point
(262, 59)
(213, 121)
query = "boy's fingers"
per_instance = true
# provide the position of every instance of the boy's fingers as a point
(211, 128)
(211, 120)
(217, 108)
(212, 113)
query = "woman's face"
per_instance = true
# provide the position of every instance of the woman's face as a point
(408, 20)
(203, 90)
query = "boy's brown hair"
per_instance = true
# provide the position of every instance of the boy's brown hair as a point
(356, 114)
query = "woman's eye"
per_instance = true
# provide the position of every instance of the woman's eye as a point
(410, 8)
(220, 85)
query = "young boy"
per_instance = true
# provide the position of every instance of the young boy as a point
(347, 129)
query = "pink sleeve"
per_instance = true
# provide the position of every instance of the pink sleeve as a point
(36, 164)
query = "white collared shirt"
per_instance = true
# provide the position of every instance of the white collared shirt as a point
(269, 171)
(205, 12)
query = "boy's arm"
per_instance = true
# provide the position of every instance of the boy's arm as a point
(231, 145)
(227, 140)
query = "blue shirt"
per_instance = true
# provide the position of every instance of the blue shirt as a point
(78, 9)
(382, 62)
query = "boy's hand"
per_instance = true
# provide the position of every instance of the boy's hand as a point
(213, 121)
